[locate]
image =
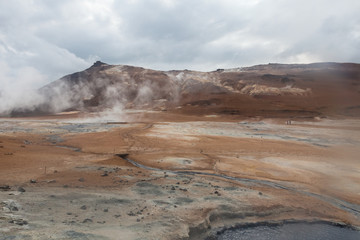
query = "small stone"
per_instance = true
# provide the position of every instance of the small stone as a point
(104, 174)
(106, 210)
(172, 188)
(83, 207)
(33, 181)
(21, 189)
(81, 180)
(5, 187)
(87, 220)
(138, 220)
(260, 193)
(131, 213)
(13, 208)
(19, 222)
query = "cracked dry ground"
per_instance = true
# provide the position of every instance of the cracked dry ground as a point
(192, 176)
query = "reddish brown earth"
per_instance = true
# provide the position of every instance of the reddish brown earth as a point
(320, 177)
(211, 160)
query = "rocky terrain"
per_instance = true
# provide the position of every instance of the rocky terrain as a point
(120, 152)
(273, 90)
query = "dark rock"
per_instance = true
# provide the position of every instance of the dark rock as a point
(33, 181)
(83, 207)
(131, 214)
(13, 208)
(105, 174)
(81, 180)
(19, 222)
(5, 187)
(87, 220)
(21, 189)
(106, 210)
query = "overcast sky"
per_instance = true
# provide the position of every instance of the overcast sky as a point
(41, 41)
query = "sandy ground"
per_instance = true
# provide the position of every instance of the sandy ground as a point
(60, 177)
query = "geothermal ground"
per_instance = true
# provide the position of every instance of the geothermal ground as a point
(162, 175)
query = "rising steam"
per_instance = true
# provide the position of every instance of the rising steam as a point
(102, 89)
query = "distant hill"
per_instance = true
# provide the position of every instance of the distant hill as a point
(272, 90)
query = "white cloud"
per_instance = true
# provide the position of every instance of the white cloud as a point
(60, 37)
(43, 40)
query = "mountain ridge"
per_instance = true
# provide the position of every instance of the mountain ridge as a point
(273, 90)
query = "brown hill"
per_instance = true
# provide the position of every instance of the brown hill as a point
(272, 90)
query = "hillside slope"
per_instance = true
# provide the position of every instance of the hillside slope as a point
(273, 90)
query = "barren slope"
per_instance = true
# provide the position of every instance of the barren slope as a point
(274, 90)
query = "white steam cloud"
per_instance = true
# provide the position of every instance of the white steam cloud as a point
(18, 89)
(102, 89)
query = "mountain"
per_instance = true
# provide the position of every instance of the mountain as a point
(272, 90)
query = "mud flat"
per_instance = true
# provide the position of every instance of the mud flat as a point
(288, 230)
(174, 177)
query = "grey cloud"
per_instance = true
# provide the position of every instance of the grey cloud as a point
(59, 37)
